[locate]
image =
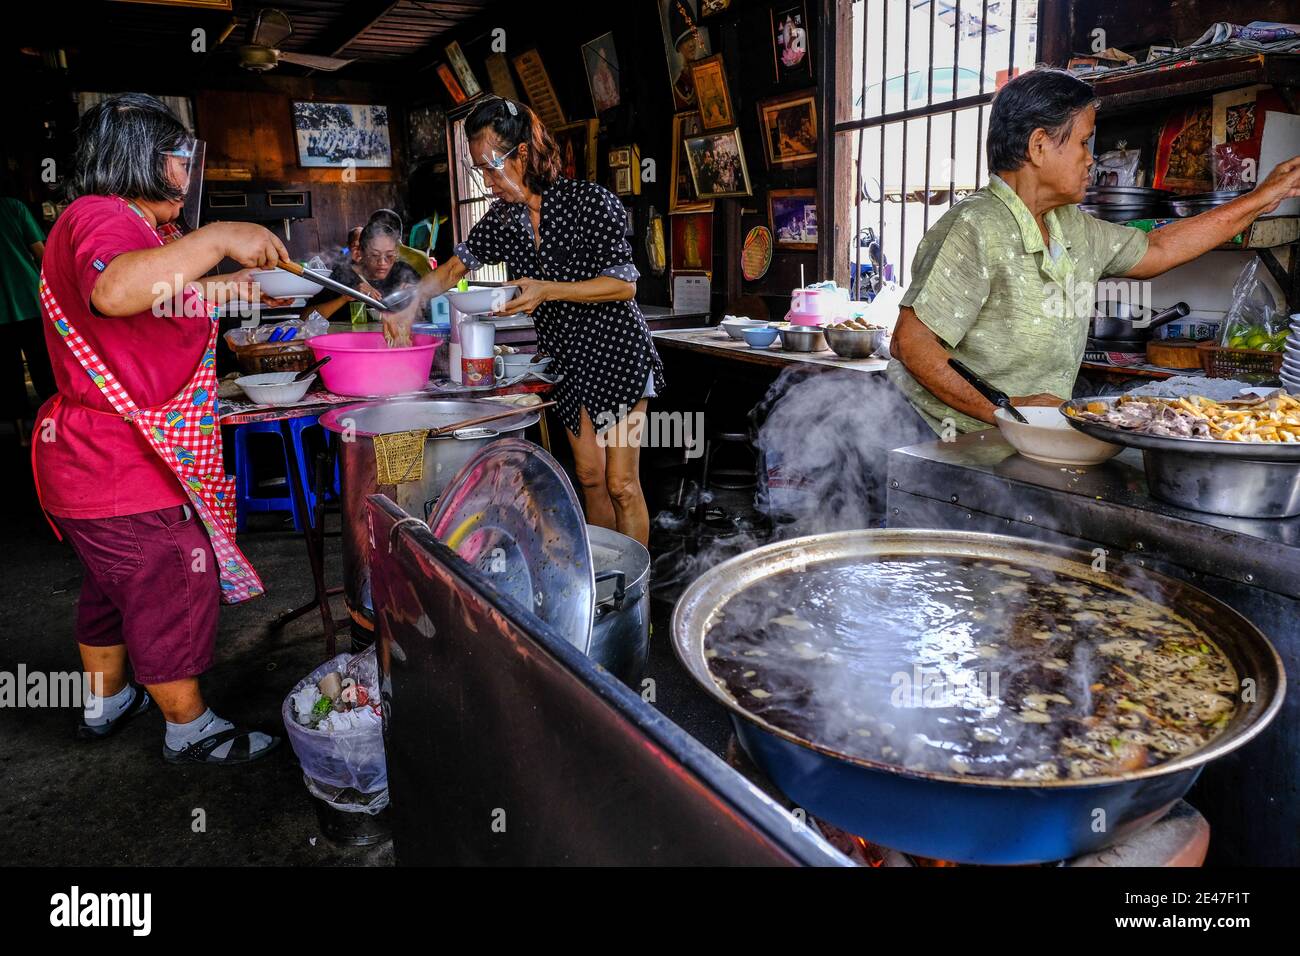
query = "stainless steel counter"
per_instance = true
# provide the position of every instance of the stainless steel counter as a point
(979, 483)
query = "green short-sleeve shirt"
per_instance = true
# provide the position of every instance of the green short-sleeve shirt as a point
(1008, 305)
(18, 276)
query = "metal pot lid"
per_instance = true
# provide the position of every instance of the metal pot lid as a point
(513, 514)
(388, 416)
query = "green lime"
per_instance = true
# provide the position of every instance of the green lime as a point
(1257, 340)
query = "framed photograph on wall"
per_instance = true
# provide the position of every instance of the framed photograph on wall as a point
(789, 125)
(681, 191)
(452, 84)
(711, 92)
(538, 88)
(718, 167)
(790, 47)
(685, 41)
(601, 61)
(577, 143)
(426, 131)
(340, 135)
(463, 73)
(793, 215)
(693, 242)
(500, 80)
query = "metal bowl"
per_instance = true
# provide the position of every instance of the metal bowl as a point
(802, 338)
(947, 815)
(852, 343)
(1117, 212)
(1124, 195)
(1197, 203)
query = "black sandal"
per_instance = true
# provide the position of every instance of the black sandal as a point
(201, 750)
(139, 704)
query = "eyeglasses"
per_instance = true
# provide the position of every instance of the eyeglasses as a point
(491, 168)
(379, 258)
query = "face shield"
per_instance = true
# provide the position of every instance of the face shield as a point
(191, 157)
(492, 176)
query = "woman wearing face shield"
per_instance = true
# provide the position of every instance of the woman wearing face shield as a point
(127, 455)
(563, 241)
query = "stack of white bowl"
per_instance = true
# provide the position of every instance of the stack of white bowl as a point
(1291, 361)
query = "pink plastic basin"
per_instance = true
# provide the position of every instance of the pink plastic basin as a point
(362, 365)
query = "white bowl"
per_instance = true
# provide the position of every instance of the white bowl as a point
(278, 284)
(1050, 438)
(275, 388)
(736, 327)
(482, 301)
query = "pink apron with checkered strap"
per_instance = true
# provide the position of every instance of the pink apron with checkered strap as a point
(186, 435)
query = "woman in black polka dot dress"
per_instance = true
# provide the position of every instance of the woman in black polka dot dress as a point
(563, 242)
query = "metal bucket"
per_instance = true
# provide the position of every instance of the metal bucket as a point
(620, 632)
(356, 426)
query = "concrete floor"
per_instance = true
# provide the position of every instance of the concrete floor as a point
(65, 802)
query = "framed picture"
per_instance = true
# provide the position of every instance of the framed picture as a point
(711, 92)
(620, 157)
(601, 60)
(789, 125)
(718, 165)
(342, 135)
(453, 86)
(463, 73)
(499, 79)
(685, 41)
(538, 88)
(791, 50)
(711, 8)
(682, 197)
(577, 142)
(426, 128)
(693, 242)
(623, 181)
(793, 214)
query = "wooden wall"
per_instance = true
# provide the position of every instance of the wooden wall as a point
(252, 129)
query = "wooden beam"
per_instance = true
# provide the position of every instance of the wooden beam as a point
(355, 20)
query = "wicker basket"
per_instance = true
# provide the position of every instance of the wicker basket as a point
(1219, 361)
(273, 357)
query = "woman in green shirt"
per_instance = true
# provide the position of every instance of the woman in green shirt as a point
(22, 243)
(1004, 281)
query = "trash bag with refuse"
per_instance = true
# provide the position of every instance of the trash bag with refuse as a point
(335, 726)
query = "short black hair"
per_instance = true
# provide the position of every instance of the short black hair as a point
(389, 217)
(1040, 99)
(121, 143)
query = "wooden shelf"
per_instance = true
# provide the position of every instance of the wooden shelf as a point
(1174, 78)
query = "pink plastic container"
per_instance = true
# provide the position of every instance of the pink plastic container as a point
(362, 365)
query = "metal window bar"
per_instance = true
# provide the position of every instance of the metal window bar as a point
(901, 118)
(470, 200)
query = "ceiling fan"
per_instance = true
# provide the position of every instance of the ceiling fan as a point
(265, 32)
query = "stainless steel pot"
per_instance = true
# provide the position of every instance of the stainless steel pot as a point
(620, 632)
(802, 338)
(356, 427)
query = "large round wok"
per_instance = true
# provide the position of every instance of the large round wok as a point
(956, 817)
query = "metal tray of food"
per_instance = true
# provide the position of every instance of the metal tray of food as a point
(1209, 447)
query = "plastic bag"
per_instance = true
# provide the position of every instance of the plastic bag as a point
(1117, 167)
(1254, 320)
(1232, 170)
(349, 758)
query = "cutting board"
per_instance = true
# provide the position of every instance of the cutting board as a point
(1173, 353)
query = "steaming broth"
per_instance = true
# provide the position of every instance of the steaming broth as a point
(969, 666)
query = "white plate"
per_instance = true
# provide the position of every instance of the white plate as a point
(1050, 438)
(482, 301)
(274, 388)
(278, 284)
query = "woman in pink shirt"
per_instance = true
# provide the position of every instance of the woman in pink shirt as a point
(127, 454)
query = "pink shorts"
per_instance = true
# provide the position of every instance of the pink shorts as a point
(151, 584)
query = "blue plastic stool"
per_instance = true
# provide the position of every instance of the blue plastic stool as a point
(246, 501)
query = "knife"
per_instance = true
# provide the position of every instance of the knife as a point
(994, 395)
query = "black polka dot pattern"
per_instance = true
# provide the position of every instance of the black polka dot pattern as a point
(603, 349)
